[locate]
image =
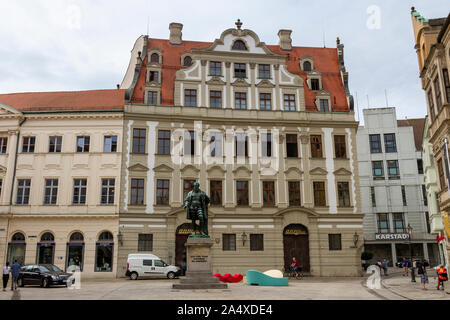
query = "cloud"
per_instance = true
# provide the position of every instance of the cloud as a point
(79, 44)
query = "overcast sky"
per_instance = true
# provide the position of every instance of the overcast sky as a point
(82, 45)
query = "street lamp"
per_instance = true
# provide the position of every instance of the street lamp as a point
(355, 239)
(413, 276)
(244, 238)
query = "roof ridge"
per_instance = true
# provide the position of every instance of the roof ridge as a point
(38, 92)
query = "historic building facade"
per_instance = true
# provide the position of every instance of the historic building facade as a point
(432, 44)
(267, 130)
(393, 193)
(60, 163)
(432, 190)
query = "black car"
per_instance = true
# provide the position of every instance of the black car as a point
(44, 275)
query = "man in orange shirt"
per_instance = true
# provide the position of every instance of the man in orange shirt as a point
(442, 276)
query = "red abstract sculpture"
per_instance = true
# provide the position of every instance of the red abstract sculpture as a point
(229, 278)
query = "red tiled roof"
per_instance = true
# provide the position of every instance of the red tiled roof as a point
(325, 61)
(418, 127)
(171, 63)
(66, 100)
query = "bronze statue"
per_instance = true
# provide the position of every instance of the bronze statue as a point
(196, 203)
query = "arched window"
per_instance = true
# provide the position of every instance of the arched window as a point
(46, 249)
(239, 45)
(104, 252)
(18, 236)
(106, 236)
(76, 236)
(75, 252)
(187, 61)
(154, 58)
(306, 66)
(47, 237)
(16, 248)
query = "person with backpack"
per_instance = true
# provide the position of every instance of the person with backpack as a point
(422, 272)
(442, 276)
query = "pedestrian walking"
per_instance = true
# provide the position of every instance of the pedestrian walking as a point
(385, 267)
(15, 269)
(6, 272)
(442, 276)
(405, 266)
(422, 271)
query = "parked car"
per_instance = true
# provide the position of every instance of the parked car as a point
(149, 265)
(45, 275)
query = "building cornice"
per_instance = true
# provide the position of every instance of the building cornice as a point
(232, 116)
(112, 114)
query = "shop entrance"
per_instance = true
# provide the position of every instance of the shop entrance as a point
(181, 236)
(296, 244)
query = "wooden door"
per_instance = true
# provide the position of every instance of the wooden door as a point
(180, 252)
(296, 244)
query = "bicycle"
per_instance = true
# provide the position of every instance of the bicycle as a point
(296, 274)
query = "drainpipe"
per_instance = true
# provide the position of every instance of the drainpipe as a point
(15, 164)
(12, 188)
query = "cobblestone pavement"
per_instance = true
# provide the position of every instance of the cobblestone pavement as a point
(394, 287)
(404, 289)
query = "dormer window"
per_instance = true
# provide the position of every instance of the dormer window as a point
(154, 58)
(187, 61)
(324, 105)
(239, 45)
(154, 76)
(307, 66)
(315, 85)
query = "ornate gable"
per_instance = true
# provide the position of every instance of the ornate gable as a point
(138, 167)
(163, 168)
(251, 40)
(242, 171)
(190, 170)
(342, 172)
(239, 82)
(265, 84)
(318, 171)
(216, 81)
(293, 173)
(216, 171)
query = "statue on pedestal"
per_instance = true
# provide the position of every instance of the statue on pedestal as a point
(196, 203)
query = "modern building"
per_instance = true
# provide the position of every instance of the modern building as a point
(267, 130)
(60, 162)
(393, 194)
(432, 44)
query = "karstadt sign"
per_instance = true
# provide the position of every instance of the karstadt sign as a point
(392, 236)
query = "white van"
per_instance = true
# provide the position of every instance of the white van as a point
(149, 265)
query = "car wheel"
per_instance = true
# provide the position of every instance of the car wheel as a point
(20, 282)
(171, 275)
(45, 283)
(133, 276)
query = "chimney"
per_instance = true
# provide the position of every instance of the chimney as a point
(175, 33)
(285, 42)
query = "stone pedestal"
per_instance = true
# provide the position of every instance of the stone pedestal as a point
(199, 272)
